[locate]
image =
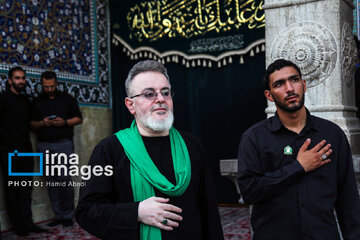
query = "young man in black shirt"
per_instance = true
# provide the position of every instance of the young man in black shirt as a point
(296, 168)
(55, 115)
(161, 186)
(14, 135)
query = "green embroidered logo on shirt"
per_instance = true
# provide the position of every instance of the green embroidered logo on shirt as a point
(288, 150)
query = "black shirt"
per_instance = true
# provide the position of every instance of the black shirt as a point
(62, 105)
(106, 205)
(288, 203)
(14, 119)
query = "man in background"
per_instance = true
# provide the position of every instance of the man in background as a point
(15, 112)
(55, 115)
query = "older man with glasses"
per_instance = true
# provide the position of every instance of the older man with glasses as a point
(161, 186)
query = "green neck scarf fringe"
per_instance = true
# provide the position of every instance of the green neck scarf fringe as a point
(145, 175)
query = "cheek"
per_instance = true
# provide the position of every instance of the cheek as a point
(142, 108)
(169, 103)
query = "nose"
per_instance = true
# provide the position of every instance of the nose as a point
(159, 97)
(289, 86)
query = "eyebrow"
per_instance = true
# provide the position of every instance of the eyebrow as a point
(153, 89)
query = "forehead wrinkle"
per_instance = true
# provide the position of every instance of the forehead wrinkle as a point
(147, 78)
(153, 89)
(294, 76)
(149, 89)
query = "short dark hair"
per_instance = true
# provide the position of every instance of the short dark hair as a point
(48, 75)
(144, 66)
(275, 66)
(14, 69)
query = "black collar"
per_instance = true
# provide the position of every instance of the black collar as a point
(310, 123)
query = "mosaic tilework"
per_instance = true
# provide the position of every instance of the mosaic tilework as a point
(355, 17)
(68, 36)
(48, 34)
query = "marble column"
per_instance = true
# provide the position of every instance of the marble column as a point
(317, 36)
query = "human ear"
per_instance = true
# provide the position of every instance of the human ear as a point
(129, 103)
(268, 95)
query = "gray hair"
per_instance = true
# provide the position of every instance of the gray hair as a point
(144, 66)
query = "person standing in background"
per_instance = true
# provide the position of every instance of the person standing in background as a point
(55, 115)
(15, 110)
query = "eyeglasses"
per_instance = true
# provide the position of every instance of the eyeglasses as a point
(152, 94)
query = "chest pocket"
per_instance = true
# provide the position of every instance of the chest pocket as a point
(275, 161)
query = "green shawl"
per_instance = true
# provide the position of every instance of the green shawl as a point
(145, 175)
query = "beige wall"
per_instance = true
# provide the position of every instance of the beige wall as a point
(97, 124)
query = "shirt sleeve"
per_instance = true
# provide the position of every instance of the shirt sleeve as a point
(99, 211)
(255, 184)
(348, 203)
(74, 107)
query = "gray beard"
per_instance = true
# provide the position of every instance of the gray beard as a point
(157, 125)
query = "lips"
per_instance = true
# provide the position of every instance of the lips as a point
(291, 97)
(159, 109)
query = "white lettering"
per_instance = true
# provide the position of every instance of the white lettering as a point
(47, 157)
(58, 168)
(53, 156)
(85, 172)
(74, 159)
(108, 170)
(74, 170)
(97, 170)
(60, 157)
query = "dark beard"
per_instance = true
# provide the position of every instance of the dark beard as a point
(19, 88)
(50, 94)
(285, 108)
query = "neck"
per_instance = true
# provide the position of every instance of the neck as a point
(294, 121)
(146, 132)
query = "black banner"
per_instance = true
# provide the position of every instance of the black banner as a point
(192, 32)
